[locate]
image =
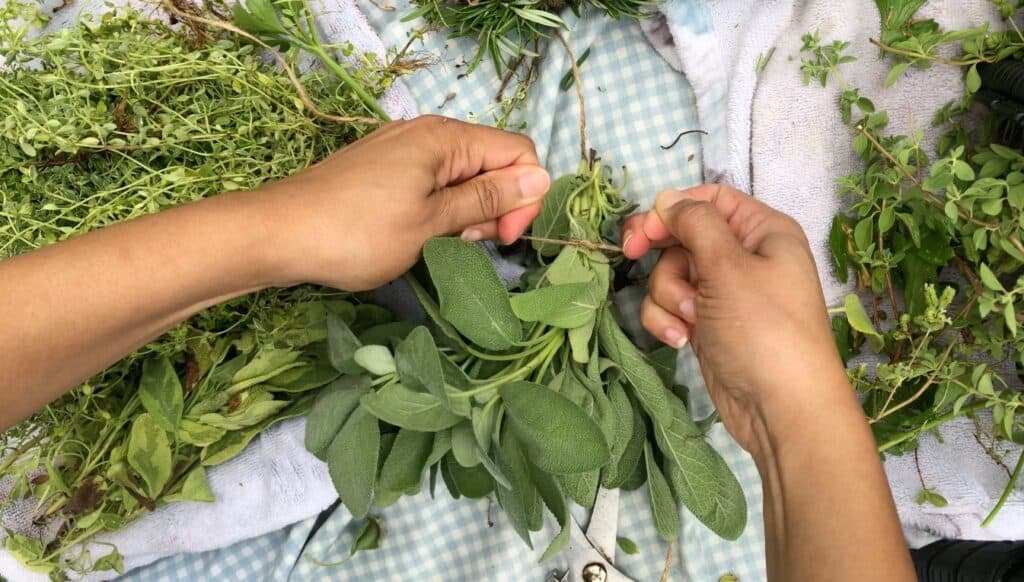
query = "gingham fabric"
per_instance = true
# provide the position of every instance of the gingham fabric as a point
(635, 104)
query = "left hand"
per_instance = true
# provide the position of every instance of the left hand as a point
(360, 218)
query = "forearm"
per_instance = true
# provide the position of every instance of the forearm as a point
(71, 309)
(829, 514)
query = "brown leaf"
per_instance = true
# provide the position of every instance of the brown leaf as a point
(88, 496)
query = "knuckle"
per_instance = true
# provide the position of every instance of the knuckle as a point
(647, 314)
(488, 196)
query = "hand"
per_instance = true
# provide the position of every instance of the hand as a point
(360, 218)
(738, 281)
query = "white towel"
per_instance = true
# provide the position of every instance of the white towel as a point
(786, 143)
(275, 481)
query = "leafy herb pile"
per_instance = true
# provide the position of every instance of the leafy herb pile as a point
(119, 117)
(536, 396)
(934, 240)
(506, 29)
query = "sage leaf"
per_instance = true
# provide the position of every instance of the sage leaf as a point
(555, 305)
(627, 545)
(581, 487)
(352, 461)
(472, 482)
(663, 505)
(643, 378)
(483, 420)
(341, 342)
(553, 221)
(149, 453)
(616, 475)
(579, 339)
(302, 379)
(387, 334)
(377, 360)
(404, 465)
(266, 364)
(699, 477)
(332, 408)
(520, 501)
(395, 404)
(471, 295)
(559, 436)
(554, 499)
(161, 393)
(569, 267)
(464, 445)
(419, 364)
(492, 467)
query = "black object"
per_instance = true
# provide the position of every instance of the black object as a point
(967, 561)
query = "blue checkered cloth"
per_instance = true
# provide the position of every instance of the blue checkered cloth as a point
(635, 104)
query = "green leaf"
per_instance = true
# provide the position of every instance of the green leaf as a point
(376, 360)
(1004, 152)
(972, 82)
(963, 170)
(472, 296)
(699, 477)
(617, 475)
(886, 219)
(838, 243)
(404, 465)
(554, 499)
(258, 18)
(395, 404)
(332, 408)
(559, 436)
(387, 334)
(472, 482)
(568, 80)
(663, 505)
(989, 279)
(641, 375)
(111, 561)
(1010, 316)
(149, 453)
(267, 363)
(235, 442)
(341, 342)
(623, 411)
(556, 305)
(161, 393)
(464, 445)
(553, 221)
(352, 461)
(521, 501)
(195, 488)
(419, 364)
(627, 545)
(860, 321)
(581, 487)
(932, 497)
(199, 434)
(28, 551)
(895, 72)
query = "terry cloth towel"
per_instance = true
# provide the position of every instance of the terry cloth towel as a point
(786, 144)
(274, 482)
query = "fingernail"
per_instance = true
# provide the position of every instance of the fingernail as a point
(625, 241)
(675, 338)
(669, 198)
(472, 235)
(688, 310)
(534, 183)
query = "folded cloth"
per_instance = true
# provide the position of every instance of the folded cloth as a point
(786, 144)
(275, 481)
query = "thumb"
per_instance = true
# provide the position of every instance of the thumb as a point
(488, 196)
(700, 227)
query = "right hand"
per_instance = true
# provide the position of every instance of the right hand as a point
(737, 280)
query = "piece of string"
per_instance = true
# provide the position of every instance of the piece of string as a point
(583, 244)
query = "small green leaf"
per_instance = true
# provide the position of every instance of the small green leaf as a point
(332, 408)
(627, 545)
(886, 219)
(352, 461)
(581, 487)
(860, 321)
(972, 82)
(559, 436)
(895, 72)
(838, 244)
(472, 482)
(554, 499)
(111, 561)
(195, 488)
(555, 305)
(472, 297)
(989, 279)
(464, 445)
(149, 453)
(1010, 316)
(419, 364)
(932, 497)
(663, 505)
(395, 404)
(376, 360)
(161, 393)
(521, 501)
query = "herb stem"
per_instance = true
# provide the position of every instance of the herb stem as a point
(579, 93)
(927, 57)
(520, 373)
(1010, 486)
(21, 450)
(904, 437)
(931, 380)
